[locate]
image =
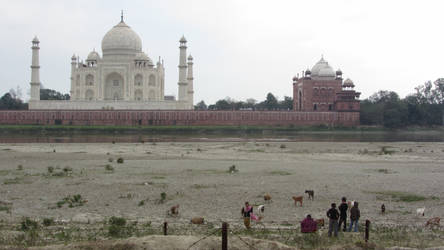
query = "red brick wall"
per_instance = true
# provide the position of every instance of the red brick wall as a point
(321, 92)
(139, 117)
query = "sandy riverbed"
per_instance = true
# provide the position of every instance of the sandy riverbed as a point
(195, 176)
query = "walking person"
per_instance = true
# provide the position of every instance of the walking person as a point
(246, 214)
(343, 214)
(355, 214)
(333, 215)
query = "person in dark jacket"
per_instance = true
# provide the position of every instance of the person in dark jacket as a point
(333, 215)
(355, 214)
(343, 214)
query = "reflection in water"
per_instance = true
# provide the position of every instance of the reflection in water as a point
(422, 136)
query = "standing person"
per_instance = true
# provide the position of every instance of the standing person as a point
(355, 214)
(333, 215)
(246, 213)
(343, 214)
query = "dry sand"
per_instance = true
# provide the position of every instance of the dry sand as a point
(195, 176)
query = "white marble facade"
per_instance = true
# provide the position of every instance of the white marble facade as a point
(124, 77)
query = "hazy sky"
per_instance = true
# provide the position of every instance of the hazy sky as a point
(241, 49)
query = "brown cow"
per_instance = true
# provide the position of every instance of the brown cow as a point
(298, 199)
(267, 198)
(174, 210)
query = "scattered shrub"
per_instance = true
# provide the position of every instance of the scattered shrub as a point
(48, 222)
(28, 224)
(163, 197)
(120, 160)
(117, 226)
(67, 169)
(283, 146)
(72, 201)
(108, 167)
(232, 169)
(199, 150)
(50, 169)
(19, 167)
(110, 159)
(141, 203)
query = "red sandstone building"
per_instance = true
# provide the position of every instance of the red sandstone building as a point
(321, 89)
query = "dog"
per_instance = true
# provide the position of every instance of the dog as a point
(320, 223)
(197, 220)
(298, 199)
(310, 194)
(267, 198)
(433, 222)
(420, 211)
(174, 210)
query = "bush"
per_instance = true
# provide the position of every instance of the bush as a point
(232, 169)
(72, 201)
(108, 167)
(28, 224)
(48, 222)
(117, 226)
(163, 196)
(19, 167)
(67, 169)
(50, 169)
(120, 160)
(283, 146)
(110, 159)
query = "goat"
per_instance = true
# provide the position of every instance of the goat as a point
(267, 198)
(350, 204)
(197, 220)
(320, 222)
(174, 210)
(420, 211)
(382, 209)
(310, 193)
(298, 199)
(261, 209)
(433, 222)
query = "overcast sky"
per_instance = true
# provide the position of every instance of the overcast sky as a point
(242, 49)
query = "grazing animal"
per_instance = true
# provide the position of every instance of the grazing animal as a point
(298, 199)
(310, 193)
(420, 211)
(382, 208)
(197, 220)
(174, 210)
(267, 198)
(261, 209)
(350, 204)
(433, 222)
(320, 222)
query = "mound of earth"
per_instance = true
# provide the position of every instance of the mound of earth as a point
(160, 242)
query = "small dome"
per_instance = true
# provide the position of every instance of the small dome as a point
(93, 56)
(73, 58)
(338, 72)
(190, 58)
(121, 39)
(348, 83)
(183, 40)
(322, 69)
(295, 78)
(35, 40)
(307, 72)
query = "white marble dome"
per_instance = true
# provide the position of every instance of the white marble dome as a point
(121, 39)
(93, 56)
(322, 69)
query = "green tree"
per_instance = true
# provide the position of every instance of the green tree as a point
(50, 94)
(201, 106)
(7, 101)
(271, 102)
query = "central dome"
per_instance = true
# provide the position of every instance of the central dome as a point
(121, 40)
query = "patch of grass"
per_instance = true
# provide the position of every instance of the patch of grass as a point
(282, 146)
(385, 150)
(202, 186)
(158, 177)
(28, 224)
(110, 159)
(6, 209)
(400, 196)
(50, 169)
(141, 203)
(72, 201)
(163, 197)
(15, 180)
(120, 160)
(279, 172)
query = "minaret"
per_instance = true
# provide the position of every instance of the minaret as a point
(190, 82)
(183, 84)
(35, 69)
(73, 69)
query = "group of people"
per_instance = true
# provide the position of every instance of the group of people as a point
(336, 218)
(308, 225)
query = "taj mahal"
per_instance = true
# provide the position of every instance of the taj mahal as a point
(123, 78)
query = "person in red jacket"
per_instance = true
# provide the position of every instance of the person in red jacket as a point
(308, 225)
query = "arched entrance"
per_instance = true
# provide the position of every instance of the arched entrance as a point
(114, 87)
